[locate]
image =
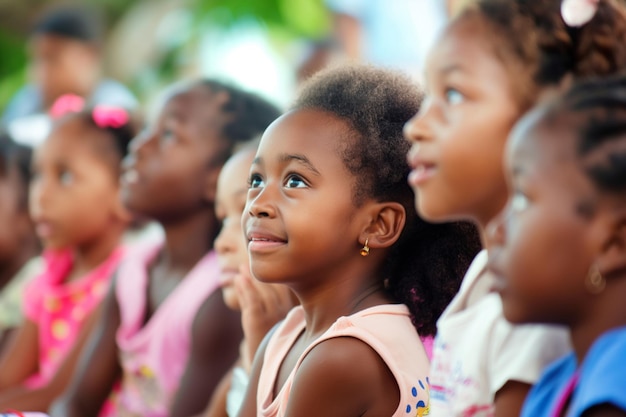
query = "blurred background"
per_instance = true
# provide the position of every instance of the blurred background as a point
(150, 43)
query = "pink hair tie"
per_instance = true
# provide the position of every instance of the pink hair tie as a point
(576, 13)
(67, 103)
(109, 117)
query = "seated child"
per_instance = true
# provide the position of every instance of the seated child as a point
(329, 214)
(165, 332)
(19, 247)
(75, 207)
(559, 248)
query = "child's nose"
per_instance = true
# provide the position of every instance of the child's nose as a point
(417, 128)
(262, 205)
(496, 229)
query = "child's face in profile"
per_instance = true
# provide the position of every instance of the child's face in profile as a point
(542, 246)
(232, 254)
(182, 153)
(461, 129)
(73, 193)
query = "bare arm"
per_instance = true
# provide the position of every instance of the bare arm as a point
(510, 399)
(343, 377)
(216, 334)
(39, 399)
(248, 408)
(23, 345)
(217, 405)
(97, 369)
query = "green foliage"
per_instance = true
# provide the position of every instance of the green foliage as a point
(299, 18)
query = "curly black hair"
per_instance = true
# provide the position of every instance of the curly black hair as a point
(16, 156)
(598, 110)
(119, 137)
(426, 265)
(248, 114)
(531, 37)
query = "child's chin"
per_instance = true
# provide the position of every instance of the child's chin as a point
(230, 298)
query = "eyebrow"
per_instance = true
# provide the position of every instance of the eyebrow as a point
(301, 159)
(285, 158)
(451, 69)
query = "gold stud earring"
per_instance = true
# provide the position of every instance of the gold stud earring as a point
(595, 282)
(365, 250)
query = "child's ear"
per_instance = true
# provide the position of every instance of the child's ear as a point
(121, 212)
(210, 184)
(386, 224)
(612, 258)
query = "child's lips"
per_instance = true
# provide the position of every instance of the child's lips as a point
(259, 241)
(421, 173)
(44, 229)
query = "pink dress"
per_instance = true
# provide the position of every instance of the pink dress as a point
(385, 328)
(154, 355)
(60, 308)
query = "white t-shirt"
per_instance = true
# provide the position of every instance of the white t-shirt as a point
(477, 351)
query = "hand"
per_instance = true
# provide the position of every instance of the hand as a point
(262, 306)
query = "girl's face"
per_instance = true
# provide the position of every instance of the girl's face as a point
(74, 193)
(173, 167)
(543, 244)
(300, 219)
(460, 131)
(232, 188)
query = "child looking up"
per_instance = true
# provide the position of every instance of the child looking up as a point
(489, 67)
(330, 215)
(74, 204)
(559, 249)
(262, 305)
(165, 330)
(19, 248)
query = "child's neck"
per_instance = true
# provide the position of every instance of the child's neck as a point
(188, 239)
(337, 296)
(28, 250)
(606, 312)
(90, 255)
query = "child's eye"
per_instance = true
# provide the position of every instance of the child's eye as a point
(519, 202)
(453, 96)
(166, 135)
(66, 177)
(255, 181)
(295, 181)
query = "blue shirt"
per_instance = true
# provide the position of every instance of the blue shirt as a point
(602, 379)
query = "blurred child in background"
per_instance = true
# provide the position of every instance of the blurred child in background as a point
(19, 247)
(166, 332)
(559, 248)
(77, 213)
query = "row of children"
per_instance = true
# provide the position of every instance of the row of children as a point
(327, 212)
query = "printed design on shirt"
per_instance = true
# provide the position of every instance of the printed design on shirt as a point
(451, 384)
(419, 408)
(140, 383)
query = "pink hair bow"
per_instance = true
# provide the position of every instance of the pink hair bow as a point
(577, 13)
(110, 117)
(67, 103)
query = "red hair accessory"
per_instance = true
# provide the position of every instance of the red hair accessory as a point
(576, 13)
(67, 103)
(109, 117)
